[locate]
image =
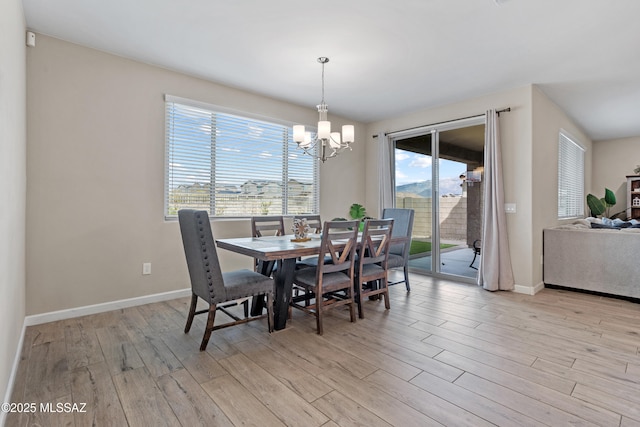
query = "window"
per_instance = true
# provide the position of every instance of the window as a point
(570, 178)
(230, 165)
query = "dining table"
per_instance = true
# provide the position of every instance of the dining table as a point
(285, 251)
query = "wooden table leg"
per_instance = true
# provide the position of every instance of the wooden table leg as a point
(284, 284)
(257, 303)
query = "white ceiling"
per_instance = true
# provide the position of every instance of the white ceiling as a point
(387, 57)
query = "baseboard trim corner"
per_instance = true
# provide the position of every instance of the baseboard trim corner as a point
(529, 290)
(14, 372)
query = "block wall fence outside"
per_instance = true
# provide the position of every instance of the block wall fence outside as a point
(453, 216)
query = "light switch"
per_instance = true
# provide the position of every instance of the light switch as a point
(510, 207)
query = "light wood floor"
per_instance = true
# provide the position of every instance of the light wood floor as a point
(445, 354)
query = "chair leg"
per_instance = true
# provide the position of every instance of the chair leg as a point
(209, 329)
(474, 259)
(352, 308)
(359, 301)
(319, 314)
(245, 303)
(385, 294)
(406, 277)
(192, 312)
(270, 311)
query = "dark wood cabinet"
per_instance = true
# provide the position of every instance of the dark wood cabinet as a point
(633, 196)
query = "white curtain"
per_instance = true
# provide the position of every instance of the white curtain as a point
(495, 271)
(387, 181)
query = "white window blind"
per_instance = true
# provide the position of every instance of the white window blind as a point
(231, 165)
(570, 178)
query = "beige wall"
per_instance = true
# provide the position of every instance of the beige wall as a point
(548, 120)
(529, 135)
(13, 140)
(613, 160)
(95, 175)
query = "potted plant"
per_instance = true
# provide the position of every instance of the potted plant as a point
(602, 206)
(356, 211)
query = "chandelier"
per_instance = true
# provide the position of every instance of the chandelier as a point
(326, 144)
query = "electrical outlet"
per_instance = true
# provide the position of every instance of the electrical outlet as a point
(146, 268)
(510, 207)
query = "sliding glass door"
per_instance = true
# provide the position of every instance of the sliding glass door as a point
(438, 171)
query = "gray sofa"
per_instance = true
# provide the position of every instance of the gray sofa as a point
(598, 260)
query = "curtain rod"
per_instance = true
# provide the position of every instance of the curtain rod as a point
(504, 110)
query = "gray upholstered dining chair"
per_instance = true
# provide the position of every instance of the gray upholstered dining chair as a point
(373, 253)
(399, 253)
(209, 283)
(330, 284)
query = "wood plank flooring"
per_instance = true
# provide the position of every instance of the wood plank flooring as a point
(445, 354)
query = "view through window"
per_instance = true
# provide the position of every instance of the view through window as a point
(570, 177)
(231, 165)
(446, 230)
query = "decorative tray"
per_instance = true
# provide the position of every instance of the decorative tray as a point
(306, 239)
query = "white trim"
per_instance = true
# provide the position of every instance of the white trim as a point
(528, 290)
(442, 126)
(38, 319)
(12, 377)
(573, 139)
(70, 313)
(227, 110)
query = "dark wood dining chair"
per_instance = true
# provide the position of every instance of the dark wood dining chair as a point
(262, 226)
(399, 253)
(272, 225)
(373, 254)
(219, 290)
(331, 285)
(315, 224)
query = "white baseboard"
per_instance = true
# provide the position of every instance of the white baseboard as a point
(529, 290)
(70, 313)
(38, 319)
(12, 377)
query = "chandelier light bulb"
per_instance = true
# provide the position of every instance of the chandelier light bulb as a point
(348, 133)
(334, 141)
(324, 129)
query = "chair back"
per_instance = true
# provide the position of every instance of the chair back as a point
(315, 224)
(267, 226)
(402, 227)
(339, 242)
(202, 257)
(375, 245)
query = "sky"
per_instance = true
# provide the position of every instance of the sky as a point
(415, 167)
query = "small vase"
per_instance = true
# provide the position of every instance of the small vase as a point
(300, 228)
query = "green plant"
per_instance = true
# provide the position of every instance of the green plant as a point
(264, 207)
(601, 206)
(357, 211)
(637, 170)
(419, 247)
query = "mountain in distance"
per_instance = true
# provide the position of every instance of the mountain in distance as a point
(423, 188)
(419, 189)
